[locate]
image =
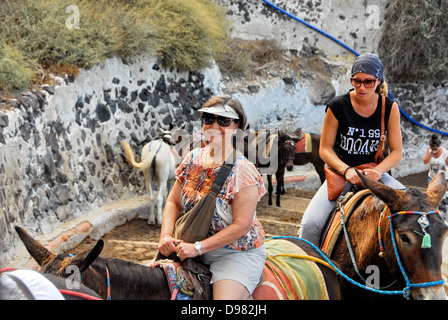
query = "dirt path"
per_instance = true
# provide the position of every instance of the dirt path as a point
(137, 241)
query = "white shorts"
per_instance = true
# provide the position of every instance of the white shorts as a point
(246, 267)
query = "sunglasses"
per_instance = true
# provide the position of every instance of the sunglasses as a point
(369, 83)
(209, 119)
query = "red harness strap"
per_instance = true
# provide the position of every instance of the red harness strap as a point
(78, 294)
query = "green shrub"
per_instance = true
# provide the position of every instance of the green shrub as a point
(16, 71)
(189, 32)
(183, 34)
(414, 44)
(106, 29)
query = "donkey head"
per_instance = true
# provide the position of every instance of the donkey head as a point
(421, 263)
(287, 147)
(57, 264)
(167, 136)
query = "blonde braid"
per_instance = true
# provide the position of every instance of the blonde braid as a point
(382, 89)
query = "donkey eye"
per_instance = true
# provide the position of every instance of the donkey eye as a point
(404, 238)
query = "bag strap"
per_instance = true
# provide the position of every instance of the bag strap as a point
(221, 177)
(379, 153)
(223, 173)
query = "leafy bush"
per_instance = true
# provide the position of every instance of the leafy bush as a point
(197, 27)
(184, 34)
(16, 70)
(414, 45)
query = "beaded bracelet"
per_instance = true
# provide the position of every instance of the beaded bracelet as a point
(345, 171)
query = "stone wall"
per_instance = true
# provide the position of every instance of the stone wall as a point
(355, 23)
(427, 104)
(60, 154)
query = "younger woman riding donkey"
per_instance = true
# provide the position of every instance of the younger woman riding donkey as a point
(384, 230)
(351, 135)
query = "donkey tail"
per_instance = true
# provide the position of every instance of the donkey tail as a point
(147, 157)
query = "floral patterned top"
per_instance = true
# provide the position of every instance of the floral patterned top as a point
(196, 181)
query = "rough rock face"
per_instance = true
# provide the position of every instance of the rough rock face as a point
(355, 23)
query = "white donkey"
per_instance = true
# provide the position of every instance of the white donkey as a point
(158, 165)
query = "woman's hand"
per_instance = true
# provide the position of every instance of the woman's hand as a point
(167, 245)
(186, 250)
(353, 178)
(372, 174)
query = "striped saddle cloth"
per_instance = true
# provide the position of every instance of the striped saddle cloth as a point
(305, 145)
(288, 277)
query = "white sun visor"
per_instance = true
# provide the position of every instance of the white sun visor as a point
(221, 110)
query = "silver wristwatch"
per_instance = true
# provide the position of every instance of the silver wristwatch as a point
(198, 247)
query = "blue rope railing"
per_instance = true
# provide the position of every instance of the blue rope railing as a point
(355, 53)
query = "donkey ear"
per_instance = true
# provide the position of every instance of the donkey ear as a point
(436, 190)
(296, 138)
(84, 259)
(387, 194)
(39, 253)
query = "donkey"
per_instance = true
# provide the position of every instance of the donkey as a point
(158, 164)
(291, 157)
(120, 280)
(286, 148)
(408, 220)
(271, 153)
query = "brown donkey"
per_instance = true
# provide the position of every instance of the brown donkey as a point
(414, 221)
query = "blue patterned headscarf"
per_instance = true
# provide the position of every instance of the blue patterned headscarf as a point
(369, 63)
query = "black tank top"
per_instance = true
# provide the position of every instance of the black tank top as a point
(357, 137)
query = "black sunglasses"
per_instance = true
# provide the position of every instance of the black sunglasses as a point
(369, 83)
(209, 119)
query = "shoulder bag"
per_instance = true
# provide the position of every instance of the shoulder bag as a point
(194, 225)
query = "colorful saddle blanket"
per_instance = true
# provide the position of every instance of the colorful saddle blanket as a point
(265, 143)
(289, 277)
(305, 145)
(180, 286)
